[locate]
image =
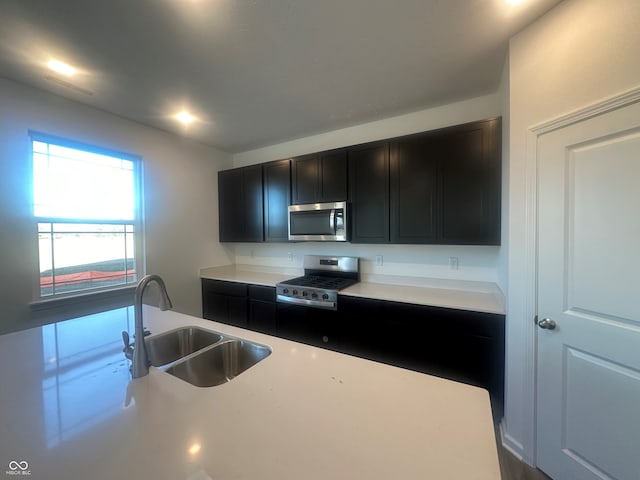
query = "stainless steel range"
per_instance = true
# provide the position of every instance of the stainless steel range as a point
(323, 278)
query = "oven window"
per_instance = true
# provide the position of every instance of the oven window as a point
(315, 222)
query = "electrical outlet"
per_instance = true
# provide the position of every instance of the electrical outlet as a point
(453, 263)
(378, 260)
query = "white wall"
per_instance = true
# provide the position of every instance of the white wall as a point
(581, 52)
(180, 187)
(475, 263)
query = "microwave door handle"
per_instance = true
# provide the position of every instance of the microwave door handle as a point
(332, 220)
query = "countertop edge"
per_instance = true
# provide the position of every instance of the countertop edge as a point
(484, 297)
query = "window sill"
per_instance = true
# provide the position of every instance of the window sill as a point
(47, 310)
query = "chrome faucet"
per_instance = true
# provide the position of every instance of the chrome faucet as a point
(139, 356)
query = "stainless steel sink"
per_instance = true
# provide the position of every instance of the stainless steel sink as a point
(203, 357)
(166, 348)
(220, 363)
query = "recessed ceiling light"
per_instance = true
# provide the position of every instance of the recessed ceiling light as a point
(194, 448)
(61, 67)
(185, 117)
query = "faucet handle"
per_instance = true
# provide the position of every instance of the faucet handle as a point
(128, 347)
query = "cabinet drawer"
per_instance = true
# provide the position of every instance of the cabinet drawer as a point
(223, 287)
(260, 292)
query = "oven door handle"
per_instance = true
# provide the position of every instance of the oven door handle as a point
(309, 303)
(332, 220)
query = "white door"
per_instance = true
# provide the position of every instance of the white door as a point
(588, 383)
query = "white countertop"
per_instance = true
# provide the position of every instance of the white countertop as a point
(249, 274)
(71, 411)
(464, 295)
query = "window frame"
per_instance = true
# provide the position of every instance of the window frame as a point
(106, 292)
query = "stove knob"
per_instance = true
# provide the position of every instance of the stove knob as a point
(285, 290)
(295, 292)
(325, 296)
(314, 295)
(304, 293)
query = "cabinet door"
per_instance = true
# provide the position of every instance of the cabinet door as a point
(240, 204)
(312, 326)
(320, 177)
(262, 309)
(333, 176)
(229, 205)
(277, 197)
(214, 306)
(369, 193)
(366, 329)
(305, 179)
(238, 314)
(413, 189)
(262, 316)
(224, 302)
(470, 166)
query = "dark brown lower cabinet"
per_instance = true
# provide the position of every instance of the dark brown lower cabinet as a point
(312, 326)
(225, 302)
(460, 345)
(240, 304)
(262, 309)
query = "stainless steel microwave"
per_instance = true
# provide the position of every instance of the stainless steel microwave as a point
(320, 222)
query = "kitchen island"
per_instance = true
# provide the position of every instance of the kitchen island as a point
(71, 411)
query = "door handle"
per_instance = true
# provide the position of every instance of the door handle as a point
(547, 324)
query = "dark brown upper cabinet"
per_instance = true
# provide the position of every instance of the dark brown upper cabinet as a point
(413, 188)
(277, 197)
(240, 204)
(436, 187)
(470, 184)
(369, 193)
(319, 177)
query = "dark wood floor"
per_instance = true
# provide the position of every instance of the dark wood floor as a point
(513, 469)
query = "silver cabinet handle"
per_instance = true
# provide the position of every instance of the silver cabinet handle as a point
(547, 324)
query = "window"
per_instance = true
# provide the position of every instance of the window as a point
(85, 203)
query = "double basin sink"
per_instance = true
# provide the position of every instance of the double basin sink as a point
(203, 357)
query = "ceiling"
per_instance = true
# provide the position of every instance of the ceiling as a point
(258, 72)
